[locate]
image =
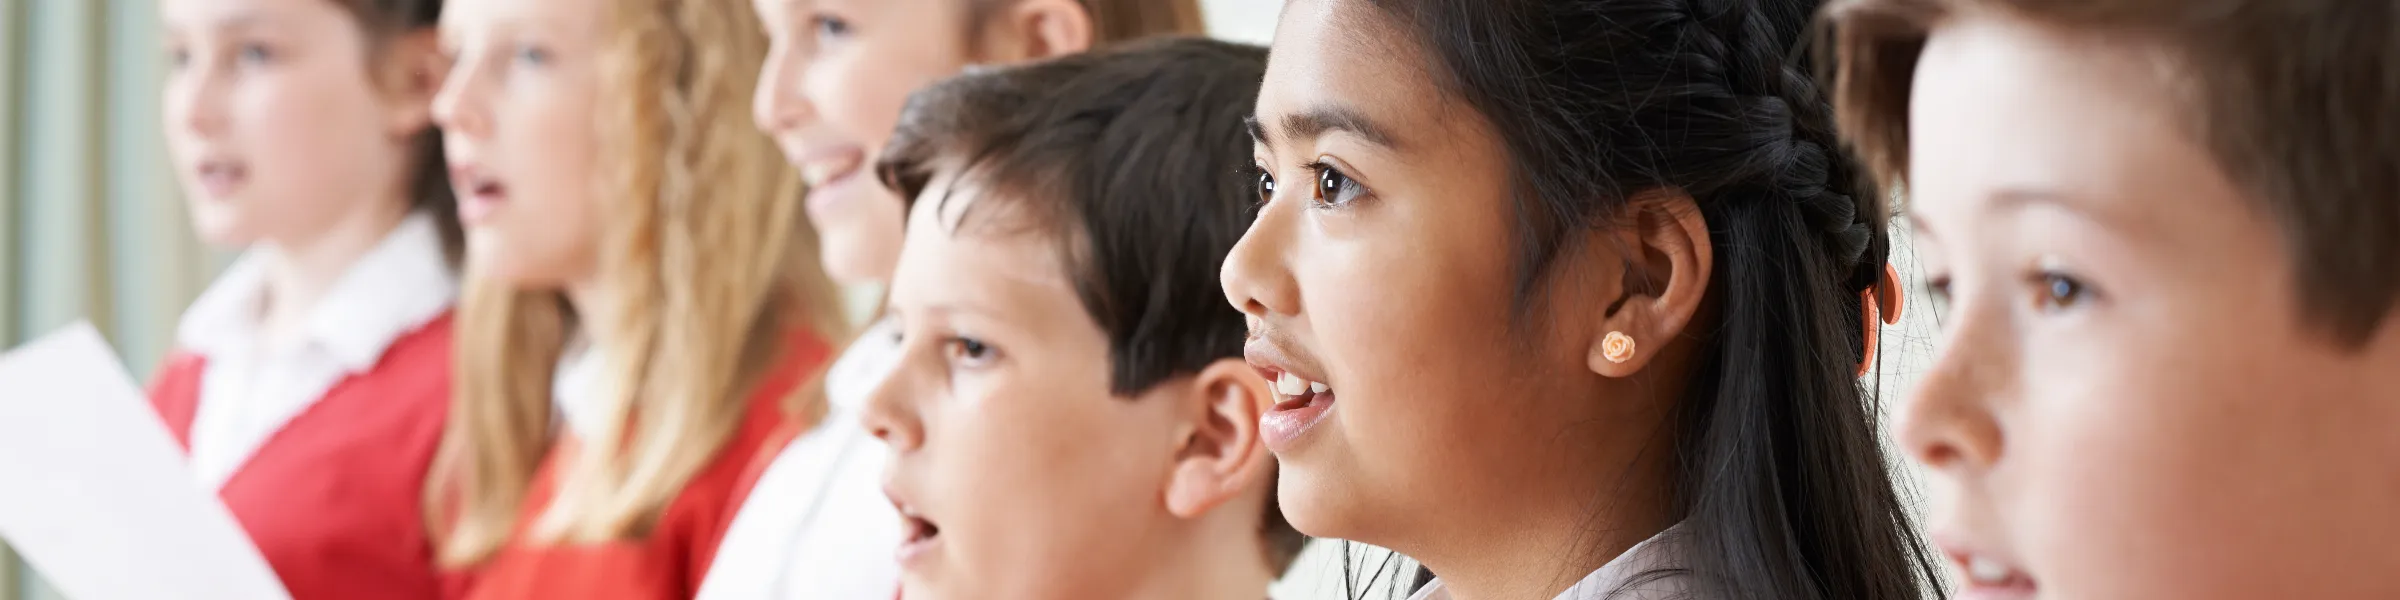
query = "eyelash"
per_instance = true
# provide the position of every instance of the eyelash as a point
(962, 349)
(2052, 290)
(1346, 191)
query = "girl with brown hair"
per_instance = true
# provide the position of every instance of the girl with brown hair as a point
(311, 380)
(643, 307)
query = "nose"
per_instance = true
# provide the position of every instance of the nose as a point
(779, 104)
(1948, 423)
(1255, 276)
(195, 100)
(459, 107)
(891, 413)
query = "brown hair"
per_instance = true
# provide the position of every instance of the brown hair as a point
(1112, 20)
(707, 263)
(1130, 159)
(2298, 100)
(429, 173)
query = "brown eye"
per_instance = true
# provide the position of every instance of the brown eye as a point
(1335, 188)
(1266, 187)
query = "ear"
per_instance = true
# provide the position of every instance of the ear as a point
(1046, 29)
(1668, 262)
(1221, 455)
(409, 73)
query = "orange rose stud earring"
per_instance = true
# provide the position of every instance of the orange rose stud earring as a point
(1617, 347)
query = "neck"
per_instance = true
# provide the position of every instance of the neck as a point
(300, 270)
(584, 296)
(1537, 539)
(1219, 557)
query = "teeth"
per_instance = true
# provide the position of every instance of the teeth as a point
(1987, 571)
(1318, 387)
(1291, 385)
(817, 174)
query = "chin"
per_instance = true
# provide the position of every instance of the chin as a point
(851, 258)
(1314, 501)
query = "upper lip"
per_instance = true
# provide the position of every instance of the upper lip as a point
(468, 175)
(1963, 554)
(822, 162)
(1272, 355)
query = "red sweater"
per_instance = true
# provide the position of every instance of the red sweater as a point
(333, 499)
(670, 562)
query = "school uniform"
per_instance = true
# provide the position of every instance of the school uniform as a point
(1631, 576)
(817, 524)
(319, 446)
(670, 561)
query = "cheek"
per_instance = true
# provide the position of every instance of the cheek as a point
(1059, 477)
(2160, 464)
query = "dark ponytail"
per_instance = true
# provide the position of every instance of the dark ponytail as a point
(428, 172)
(1780, 479)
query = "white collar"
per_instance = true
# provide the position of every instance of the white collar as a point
(1660, 551)
(399, 285)
(576, 387)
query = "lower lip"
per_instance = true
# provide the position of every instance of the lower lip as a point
(1282, 427)
(478, 208)
(2014, 591)
(826, 194)
(220, 184)
(913, 552)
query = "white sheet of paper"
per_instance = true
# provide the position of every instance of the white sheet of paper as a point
(96, 494)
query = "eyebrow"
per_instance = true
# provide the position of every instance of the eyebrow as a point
(1316, 121)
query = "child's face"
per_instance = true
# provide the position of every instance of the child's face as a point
(830, 94)
(2127, 404)
(518, 123)
(1021, 475)
(277, 123)
(1381, 268)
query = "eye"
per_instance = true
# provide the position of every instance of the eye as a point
(829, 26)
(1335, 188)
(2060, 291)
(1938, 286)
(1266, 185)
(178, 56)
(532, 55)
(970, 352)
(254, 54)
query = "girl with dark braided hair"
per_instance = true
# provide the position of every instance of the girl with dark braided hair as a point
(1566, 299)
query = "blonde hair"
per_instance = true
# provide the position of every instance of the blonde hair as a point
(706, 262)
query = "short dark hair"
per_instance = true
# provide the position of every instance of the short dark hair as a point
(1132, 159)
(2295, 99)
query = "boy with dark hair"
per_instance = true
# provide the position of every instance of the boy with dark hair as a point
(2169, 233)
(1071, 416)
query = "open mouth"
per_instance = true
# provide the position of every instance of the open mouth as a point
(918, 535)
(1988, 578)
(221, 177)
(1299, 405)
(480, 193)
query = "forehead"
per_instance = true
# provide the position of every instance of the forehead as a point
(564, 16)
(212, 14)
(976, 250)
(2002, 106)
(1351, 54)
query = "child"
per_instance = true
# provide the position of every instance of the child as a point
(1067, 420)
(1563, 299)
(2169, 233)
(312, 378)
(830, 93)
(643, 301)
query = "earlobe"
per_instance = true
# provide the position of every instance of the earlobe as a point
(1222, 456)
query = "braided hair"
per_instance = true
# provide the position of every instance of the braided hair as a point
(1779, 477)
